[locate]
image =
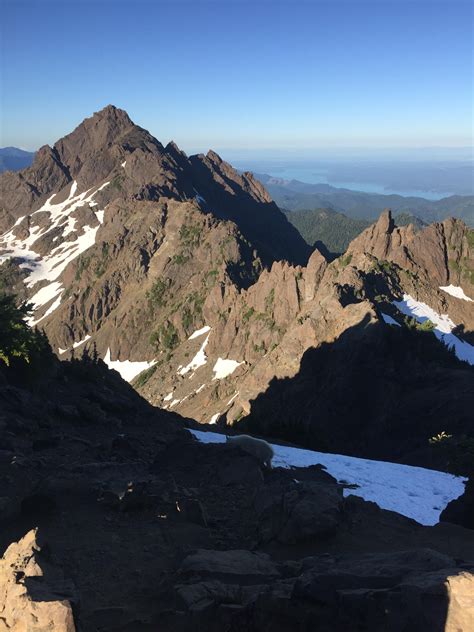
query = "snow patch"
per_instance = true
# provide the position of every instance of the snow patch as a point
(224, 368)
(78, 344)
(199, 197)
(232, 398)
(127, 369)
(124, 163)
(214, 418)
(199, 332)
(456, 291)
(414, 492)
(168, 397)
(389, 320)
(199, 359)
(46, 294)
(51, 266)
(443, 326)
(174, 402)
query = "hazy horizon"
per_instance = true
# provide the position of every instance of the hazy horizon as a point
(267, 76)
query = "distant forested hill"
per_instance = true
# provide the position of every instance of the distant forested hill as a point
(14, 159)
(293, 195)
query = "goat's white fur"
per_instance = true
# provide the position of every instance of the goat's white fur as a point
(258, 448)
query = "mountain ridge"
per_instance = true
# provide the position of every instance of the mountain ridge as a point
(187, 269)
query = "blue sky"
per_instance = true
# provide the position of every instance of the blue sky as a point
(245, 76)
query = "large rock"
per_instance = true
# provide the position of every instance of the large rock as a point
(298, 512)
(34, 597)
(241, 565)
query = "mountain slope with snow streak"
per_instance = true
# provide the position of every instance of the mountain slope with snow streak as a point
(414, 492)
(443, 326)
(56, 223)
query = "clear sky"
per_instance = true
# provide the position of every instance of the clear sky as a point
(242, 75)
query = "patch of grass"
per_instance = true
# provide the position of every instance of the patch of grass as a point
(190, 234)
(101, 265)
(269, 300)
(248, 313)
(143, 378)
(117, 182)
(165, 337)
(83, 262)
(345, 260)
(180, 259)
(157, 294)
(426, 325)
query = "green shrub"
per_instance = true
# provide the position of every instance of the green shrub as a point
(247, 315)
(345, 260)
(165, 337)
(144, 376)
(101, 265)
(180, 259)
(426, 325)
(83, 262)
(17, 339)
(156, 295)
(269, 300)
(189, 234)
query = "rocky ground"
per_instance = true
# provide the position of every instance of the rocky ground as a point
(114, 518)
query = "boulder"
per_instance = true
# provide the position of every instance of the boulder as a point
(34, 597)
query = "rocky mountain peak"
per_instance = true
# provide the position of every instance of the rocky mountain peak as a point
(385, 223)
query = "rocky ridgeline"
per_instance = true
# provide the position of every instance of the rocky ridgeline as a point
(183, 267)
(115, 518)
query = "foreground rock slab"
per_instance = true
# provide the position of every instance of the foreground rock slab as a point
(32, 591)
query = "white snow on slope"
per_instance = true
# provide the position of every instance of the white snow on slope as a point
(389, 320)
(127, 369)
(200, 332)
(51, 266)
(78, 344)
(199, 197)
(232, 398)
(414, 492)
(456, 291)
(199, 359)
(214, 418)
(443, 326)
(224, 368)
(46, 294)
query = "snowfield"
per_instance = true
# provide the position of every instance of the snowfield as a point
(389, 320)
(199, 359)
(456, 291)
(224, 368)
(199, 332)
(443, 326)
(414, 492)
(127, 369)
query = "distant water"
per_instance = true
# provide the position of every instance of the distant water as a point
(315, 177)
(318, 174)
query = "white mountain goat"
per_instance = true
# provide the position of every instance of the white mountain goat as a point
(258, 448)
